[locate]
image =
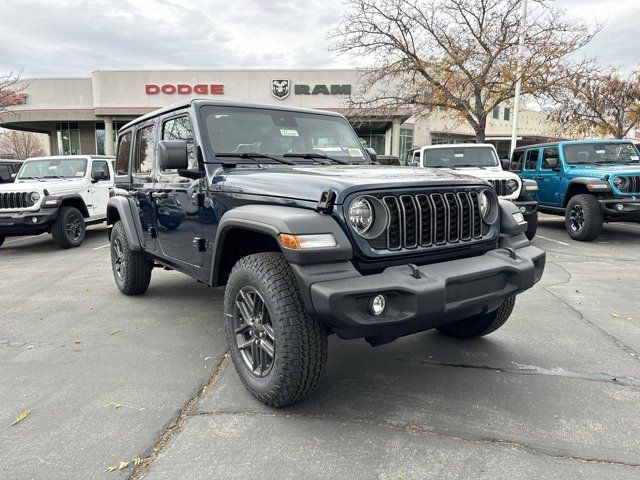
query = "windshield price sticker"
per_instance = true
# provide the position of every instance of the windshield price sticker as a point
(354, 152)
(458, 155)
(289, 132)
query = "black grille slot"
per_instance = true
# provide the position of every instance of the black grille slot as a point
(477, 218)
(14, 200)
(440, 218)
(410, 216)
(453, 218)
(500, 186)
(466, 216)
(426, 220)
(394, 230)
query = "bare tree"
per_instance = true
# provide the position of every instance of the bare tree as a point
(20, 145)
(602, 103)
(9, 87)
(456, 54)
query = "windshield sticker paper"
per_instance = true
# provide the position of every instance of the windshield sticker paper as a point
(288, 132)
(354, 152)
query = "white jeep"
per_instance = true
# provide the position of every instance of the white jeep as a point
(481, 160)
(60, 195)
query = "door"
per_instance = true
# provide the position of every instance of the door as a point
(548, 179)
(100, 185)
(177, 209)
(530, 167)
(142, 185)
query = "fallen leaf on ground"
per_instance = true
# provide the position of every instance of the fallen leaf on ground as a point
(118, 330)
(615, 315)
(110, 469)
(123, 465)
(138, 461)
(22, 416)
(76, 341)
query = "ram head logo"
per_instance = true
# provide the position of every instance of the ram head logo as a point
(280, 88)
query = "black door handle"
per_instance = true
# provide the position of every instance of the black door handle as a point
(159, 195)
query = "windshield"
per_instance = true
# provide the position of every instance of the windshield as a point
(460, 157)
(595, 153)
(53, 168)
(300, 137)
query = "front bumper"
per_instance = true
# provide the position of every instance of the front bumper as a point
(530, 206)
(620, 207)
(446, 292)
(23, 223)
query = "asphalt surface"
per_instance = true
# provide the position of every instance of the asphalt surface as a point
(555, 393)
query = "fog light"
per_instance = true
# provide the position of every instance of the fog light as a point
(378, 304)
(620, 207)
(518, 217)
(523, 209)
(34, 219)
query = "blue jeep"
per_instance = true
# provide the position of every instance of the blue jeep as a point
(589, 182)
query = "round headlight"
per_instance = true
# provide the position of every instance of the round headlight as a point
(621, 183)
(512, 185)
(34, 197)
(485, 204)
(361, 215)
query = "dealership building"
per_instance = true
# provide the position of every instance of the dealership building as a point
(82, 115)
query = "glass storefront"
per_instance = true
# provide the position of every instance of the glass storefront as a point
(68, 137)
(100, 136)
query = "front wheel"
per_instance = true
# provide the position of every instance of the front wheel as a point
(278, 349)
(532, 225)
(583, 218)
(480, 325)
(69, 229)
(131, 268)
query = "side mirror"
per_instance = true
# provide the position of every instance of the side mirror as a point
(173, 155)
(14, 176)
(372, 154)
(98, 175)
(506, 163)
(553, 164)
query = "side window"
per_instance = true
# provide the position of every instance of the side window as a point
(144, 154)
(179, 128)
(516, 161)
(5, 173)
(100, 170)
(124, 150)
(547, 154)
(531, 159)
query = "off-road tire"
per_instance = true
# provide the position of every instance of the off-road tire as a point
(532, 225)
(135, 273)
(480, 325)
(300, 347)
(60, 228)
(1, 241)
(593, 220)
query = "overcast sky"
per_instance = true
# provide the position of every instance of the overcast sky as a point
(73, 38)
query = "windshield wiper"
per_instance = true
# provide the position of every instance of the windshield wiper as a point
(312, 155)
(30, 178)
(254, 155)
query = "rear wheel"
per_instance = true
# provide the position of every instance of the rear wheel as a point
(69, 229)
(131, 268)
(583, 218)
(480, 325)
(278, 349)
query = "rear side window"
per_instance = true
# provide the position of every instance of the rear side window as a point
(531, 159)
(124, 150)
(145, 153)
(516, 161)
(548, 153)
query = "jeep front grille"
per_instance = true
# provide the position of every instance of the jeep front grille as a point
(633, 187)
(500, 186)
(14, 200)
(428, 219)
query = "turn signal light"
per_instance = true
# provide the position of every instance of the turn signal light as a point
(302, 242)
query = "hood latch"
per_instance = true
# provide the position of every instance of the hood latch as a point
(327, 199)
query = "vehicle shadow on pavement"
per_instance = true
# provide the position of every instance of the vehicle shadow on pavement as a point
(44, 243)
(624, 233)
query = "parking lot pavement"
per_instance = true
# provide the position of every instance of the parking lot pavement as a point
(555, 393)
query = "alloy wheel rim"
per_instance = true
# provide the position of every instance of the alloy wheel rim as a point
(253, 330)
(577, 218)
(74, 227)
(119, 258)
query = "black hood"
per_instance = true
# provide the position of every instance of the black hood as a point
(307, 182)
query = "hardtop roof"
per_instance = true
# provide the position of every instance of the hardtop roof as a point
(573, 142)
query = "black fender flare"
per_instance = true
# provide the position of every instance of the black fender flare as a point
(67, 198)
(120, 207)
(273, 220)
(593, 184)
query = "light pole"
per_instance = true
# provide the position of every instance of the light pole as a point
(516, 101)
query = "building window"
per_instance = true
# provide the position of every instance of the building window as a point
(406, 140)
(496, 113)
(68, 138)
(100, 136)
(507, 114)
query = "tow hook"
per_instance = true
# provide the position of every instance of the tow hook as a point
(415, 271)
(512, 252)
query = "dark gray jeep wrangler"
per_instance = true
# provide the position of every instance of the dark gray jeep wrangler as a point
(286, 209)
